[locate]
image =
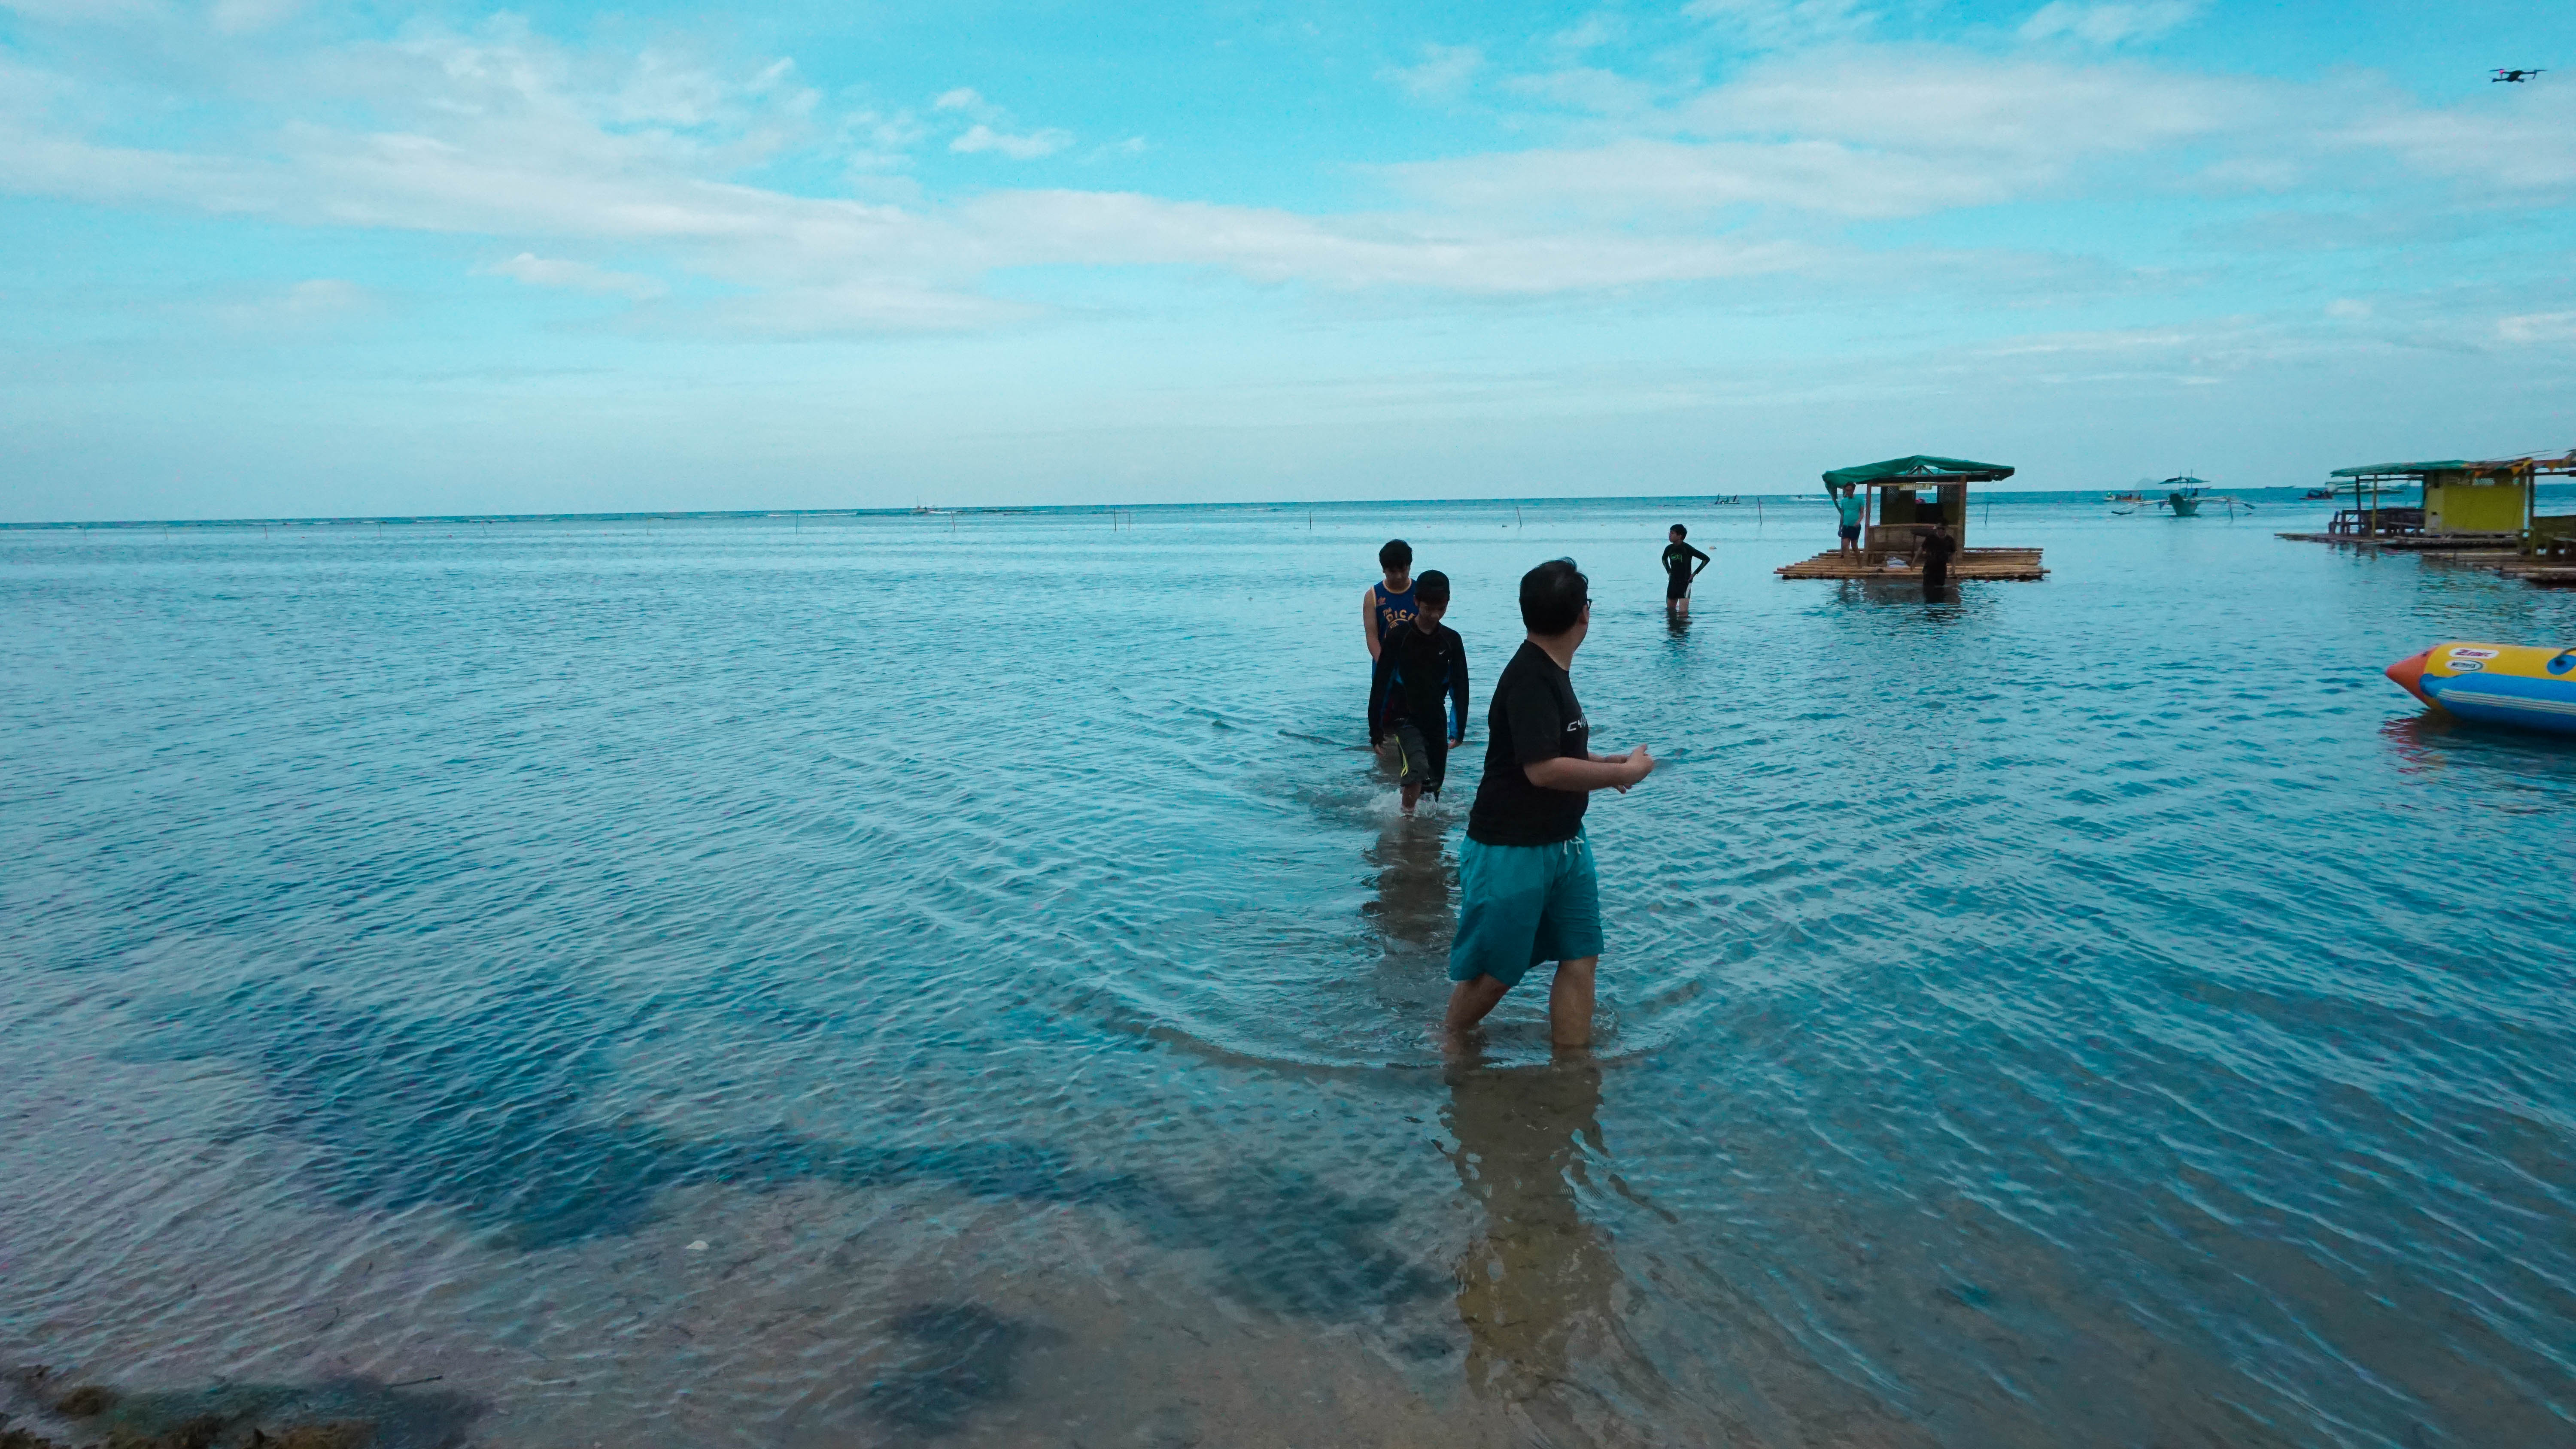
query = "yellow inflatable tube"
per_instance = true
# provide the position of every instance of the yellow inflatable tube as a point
(2508, 684)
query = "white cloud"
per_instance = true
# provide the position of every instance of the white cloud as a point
(992, 129)
(1782, 24)
(1444, 73)
(1120, 228)
(1025, 147)
(547, 152)
(84, 12)
(1587, 88)
(1132, 146)
(2107, 24)
(303, 307)
(2348, 308)
(322, 295)
(539, 271)
(1591, 33)
(2524, 142)
(2537, 327)
(1859, 136)
(242, 17)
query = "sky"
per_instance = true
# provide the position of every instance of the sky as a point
(276, 258)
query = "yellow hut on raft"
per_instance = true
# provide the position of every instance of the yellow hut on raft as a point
(2466, 501)
(1902, 498)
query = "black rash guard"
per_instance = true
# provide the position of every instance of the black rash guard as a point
(1414, 671)
(1677, 568)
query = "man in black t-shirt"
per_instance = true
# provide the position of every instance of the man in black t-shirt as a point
(1525, 872)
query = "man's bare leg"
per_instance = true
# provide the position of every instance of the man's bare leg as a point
(1569, 1002)
(1412, 796)
(1469, 1003)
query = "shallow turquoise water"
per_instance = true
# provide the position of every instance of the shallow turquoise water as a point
(893, 979)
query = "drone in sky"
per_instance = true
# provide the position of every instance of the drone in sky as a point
(2515, 77)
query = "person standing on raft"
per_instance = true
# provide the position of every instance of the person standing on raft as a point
(1847, 507)
(1932, 551)
(1678, 573)
(1525, 872)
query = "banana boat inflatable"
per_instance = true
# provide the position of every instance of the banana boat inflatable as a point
(2508, 684)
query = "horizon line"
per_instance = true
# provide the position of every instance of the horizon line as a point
(707, 514)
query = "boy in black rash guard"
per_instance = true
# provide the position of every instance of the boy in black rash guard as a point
(1421, 665)
(1678, 572)
(1525, 882)
(1933, 552)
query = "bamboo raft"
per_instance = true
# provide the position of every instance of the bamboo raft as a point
(2413, 542)
(2021, 564)
(2493, 552)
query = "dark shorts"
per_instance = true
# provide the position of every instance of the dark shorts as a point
(1419, 760)
(1850, 532)
(1523, 904)
(1676, 589)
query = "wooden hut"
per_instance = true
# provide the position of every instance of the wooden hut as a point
(1901, 499)
(2479, 501)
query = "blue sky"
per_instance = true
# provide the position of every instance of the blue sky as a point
(267, 257)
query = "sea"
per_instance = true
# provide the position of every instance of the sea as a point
(960, 978)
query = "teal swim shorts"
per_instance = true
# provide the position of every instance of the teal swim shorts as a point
(1523, 904)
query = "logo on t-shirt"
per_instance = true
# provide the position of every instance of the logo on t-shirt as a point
(1579, 724)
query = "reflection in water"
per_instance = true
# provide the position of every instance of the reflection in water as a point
(1414, 916)
(2514, 771)
(1413, 912)
(1535, 1291)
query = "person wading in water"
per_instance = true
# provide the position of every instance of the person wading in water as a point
(1525, 878)
(1933, 552)
(1678, 572)
(1383, 608)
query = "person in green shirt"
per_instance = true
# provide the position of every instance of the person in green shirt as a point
(1847, 506)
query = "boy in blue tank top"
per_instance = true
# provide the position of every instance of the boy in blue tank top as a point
(1388, 604)
(1384, 607)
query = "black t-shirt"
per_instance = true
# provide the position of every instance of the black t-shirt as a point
(1535, 717)
(1937, 548)
(1677, 561)
(1415, 670)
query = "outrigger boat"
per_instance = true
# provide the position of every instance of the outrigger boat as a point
(2184, 496)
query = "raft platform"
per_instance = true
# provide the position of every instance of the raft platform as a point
(2415, 542)
(1909, 498)
(2019, 564)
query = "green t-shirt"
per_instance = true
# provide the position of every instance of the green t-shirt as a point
(1848, 506)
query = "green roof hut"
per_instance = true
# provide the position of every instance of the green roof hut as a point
(2466, 500)
(1902, 498)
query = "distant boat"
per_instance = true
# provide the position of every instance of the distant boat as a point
(2183, 497)
(1731, 500)
(2318, 495)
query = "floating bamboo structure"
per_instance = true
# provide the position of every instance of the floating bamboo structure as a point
(2480, 513)
(1968, 563)
(1907, 497)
